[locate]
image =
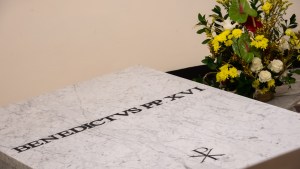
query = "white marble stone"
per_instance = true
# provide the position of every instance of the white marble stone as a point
(162, 137)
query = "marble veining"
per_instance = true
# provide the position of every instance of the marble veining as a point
(170, 133)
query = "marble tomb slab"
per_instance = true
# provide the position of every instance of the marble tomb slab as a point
(140, 118)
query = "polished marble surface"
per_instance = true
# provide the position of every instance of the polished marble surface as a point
(141, 118)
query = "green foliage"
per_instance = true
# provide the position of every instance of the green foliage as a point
(289, 79)
(293, 23)
(205, 41)
(297, 71)
(255, 5)
(202, 20)
(210, 62)
(267, 31)
(217, 10)
(201, 30)
(210, 79)
(242, 48)
(198, 79)
(240, 10)
(244, 86)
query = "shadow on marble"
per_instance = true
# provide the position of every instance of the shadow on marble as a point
(295, 107)
(288, 98)
(285, 161)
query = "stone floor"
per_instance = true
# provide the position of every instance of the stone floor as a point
(288, 98)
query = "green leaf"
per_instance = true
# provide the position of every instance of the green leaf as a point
(250, 11)
(293, 26)
(235, 14)
(291, 80)
(226, 16)
(247, 56)
(256, 52)
(240, 10)
(293, 19)
(245, 48)
(217, 10)
(235, 47)
(244, 86)
(293, 23)
(297, 71)
(242, 48)
(205, 41)
(202, 19)
(210, 62)
(201, 31)
(219, 60)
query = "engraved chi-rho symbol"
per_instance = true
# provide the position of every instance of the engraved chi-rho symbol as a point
(205, 152)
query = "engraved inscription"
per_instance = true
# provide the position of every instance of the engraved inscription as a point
(205, 152)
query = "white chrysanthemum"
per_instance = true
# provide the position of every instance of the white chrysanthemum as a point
(227, 24)
(276, 66)
(284, 44)
(256, 65)
(264, 76)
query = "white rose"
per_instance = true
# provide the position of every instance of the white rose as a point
(264, 76)
(276, 66)
(256, 65)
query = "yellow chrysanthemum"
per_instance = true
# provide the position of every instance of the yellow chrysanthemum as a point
(216, 45)
(253, 43)
(224, 68)
(263, 43)
(222, 37)
(271, 83)
(259, 37)
(255, 83)
(229, 43)
(267, 7)
(295, 42)
(221, 76)
(233, 72)
(294, 36)
(260, 42)
(264, 90)
(237, 33)
(298, 57)
(289, 32)
(226, 72)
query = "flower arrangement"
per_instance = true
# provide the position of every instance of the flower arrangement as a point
(253, 47)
